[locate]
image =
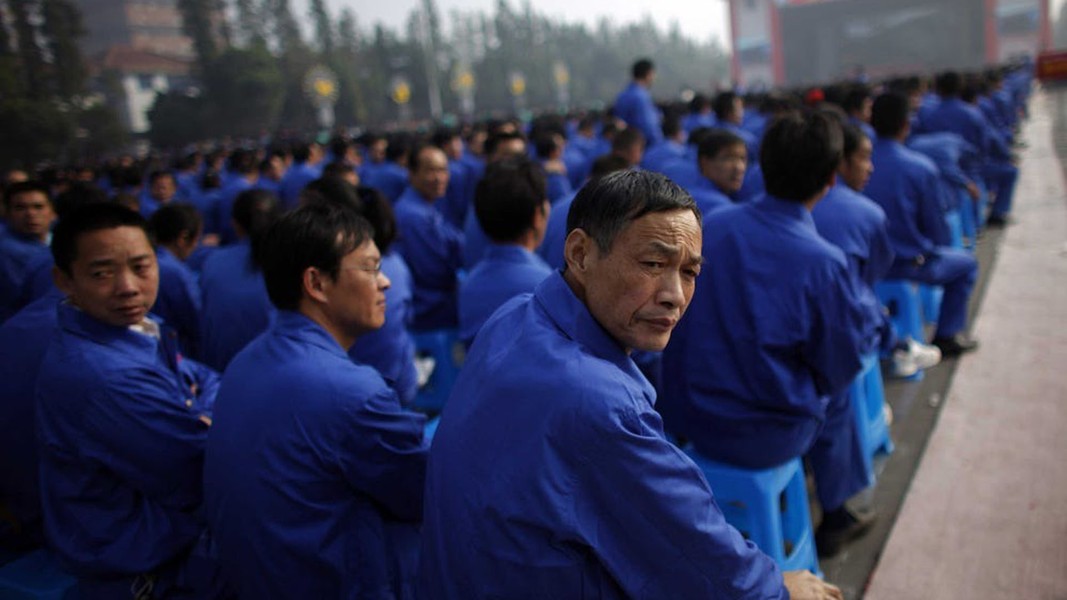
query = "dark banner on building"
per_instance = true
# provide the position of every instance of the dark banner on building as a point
(828, 40)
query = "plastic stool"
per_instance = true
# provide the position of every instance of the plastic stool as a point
(867, 394)
(930, 297)
(954, 221)
(968, 220)
(448, 354)
(901, 297)
(431, 428)
(769, 507)
(35, 576)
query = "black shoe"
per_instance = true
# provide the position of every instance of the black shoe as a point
(955, 345)
(999, 221)
(840, 527)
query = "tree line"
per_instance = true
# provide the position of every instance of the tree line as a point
(252, 58)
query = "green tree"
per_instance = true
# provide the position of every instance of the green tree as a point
(197, 24)
(244, 89)
(61, 28)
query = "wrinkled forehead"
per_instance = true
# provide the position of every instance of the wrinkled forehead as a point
(670, 233)
(114, 243)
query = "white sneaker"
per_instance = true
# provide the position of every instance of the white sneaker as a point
(904, 364)
(925, 355)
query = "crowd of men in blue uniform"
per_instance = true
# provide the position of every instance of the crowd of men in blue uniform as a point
(253, 436)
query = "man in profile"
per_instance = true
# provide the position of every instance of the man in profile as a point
(550, 476)
(314, 476)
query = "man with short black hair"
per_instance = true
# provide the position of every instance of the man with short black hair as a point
(176, 229)
(634, 104)
(629, 145)
(905, 184)
(122, 419)
(722, 159)
(512, 209)
(314, 473)
(776, 329)
(550, 475)
(29, 223)
(431, 246)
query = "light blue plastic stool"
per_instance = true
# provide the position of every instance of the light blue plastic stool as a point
(752, 501)
(954, 221)
(867, 394)
(431, 429)
(448, 354)
(901, 297)
(968, 221)
(930, 297)
(36, 576)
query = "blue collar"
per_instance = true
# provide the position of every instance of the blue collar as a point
(576, 322)
(788, 209)
(509, 253)
(411, 195)
(295, 325)
(79, 323)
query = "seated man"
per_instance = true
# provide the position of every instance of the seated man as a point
(29, 222)
(314, 474)
(235, 304)
(754, 374)
(905, 184)
(858, 226)
(511, 208)
(122, 420)
(550, 475)
(722, 159)
(176, 229)
(431, 246)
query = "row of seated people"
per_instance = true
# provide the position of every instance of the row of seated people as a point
(833, 343)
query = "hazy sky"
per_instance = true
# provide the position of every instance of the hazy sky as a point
(700, 19)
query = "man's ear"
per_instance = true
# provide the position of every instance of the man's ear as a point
(62, 281)
(577, 252)
(314, 283)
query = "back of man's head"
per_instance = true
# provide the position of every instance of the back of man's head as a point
(508, 197)
(605, 206)
(315, 235)
(243, 161)
(175, 222)
(641, 69)
(800, 154)
(889, 114)
(87, 219)
(724, 106)
(949, 84)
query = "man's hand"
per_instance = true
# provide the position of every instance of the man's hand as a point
(973, 191)
(802, 585)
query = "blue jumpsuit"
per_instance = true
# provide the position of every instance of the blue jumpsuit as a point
(771, 338)
(905, 184)
(235, 308)
(24, 338)
(313, 473)
(550, 476)
(551, 249)
(635, 106)
(18, 254)
(433, 250)
(505, 272)
(178, 302)
(122, 421)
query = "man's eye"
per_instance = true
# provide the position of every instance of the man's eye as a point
(653, 264)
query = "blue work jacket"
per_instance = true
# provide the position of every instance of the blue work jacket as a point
(505, 271)
(433, 250)
(235, 305)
